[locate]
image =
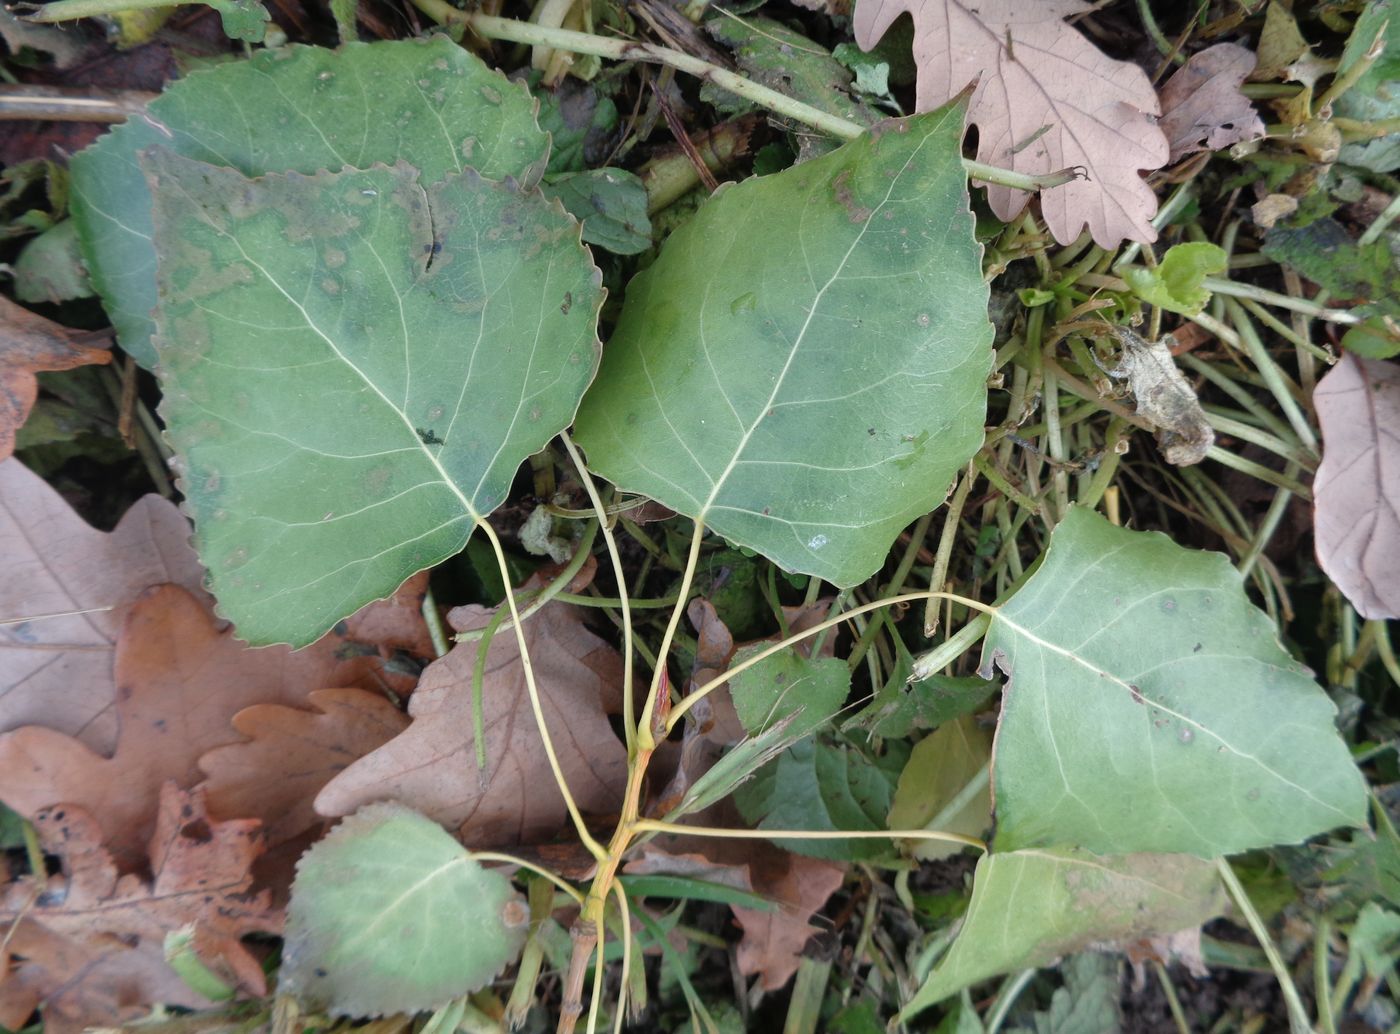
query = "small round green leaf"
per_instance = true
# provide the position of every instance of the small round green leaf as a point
(389, 914)
(804, 366)
(785, 683)
(1150, 707)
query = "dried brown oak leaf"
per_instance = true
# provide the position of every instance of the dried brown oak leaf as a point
(433, 765)
(1356, 493)
(28, 344)
(1046, 99)
(57, 670)
(1203, 107)
(292, 753)
(89, 945)
(180, 680)
(773, 941)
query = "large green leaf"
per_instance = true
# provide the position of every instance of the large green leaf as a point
(389, 914)
(1030, 907)
(354, 368)
(804, 366)
(1150, 707)
(429, 103)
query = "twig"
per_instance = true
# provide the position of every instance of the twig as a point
(65, 104)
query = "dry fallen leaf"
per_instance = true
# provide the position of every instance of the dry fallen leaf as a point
(1356, 493)
(57, 671)
(89, 946)
(1203, 107)
(773, 940)
(180, 680)
(1164, 398)
(1046, 99)
(291, 754)
(433, 765)
(28, 344)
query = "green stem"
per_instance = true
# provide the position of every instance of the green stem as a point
(1232, 289)
(514, 31)
(550, 591)
(1297, 1015)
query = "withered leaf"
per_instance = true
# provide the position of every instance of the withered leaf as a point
(57, 671)
(432, 766)
(1203, 107)
(180, 680)
(291, 753)
(1046, 99)
(1164, 398)
(28, 344)
(1356, 494)
(88, 946)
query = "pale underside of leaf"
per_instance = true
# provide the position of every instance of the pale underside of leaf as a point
(1357, 490)
(1046, 99)
(1030, 907)
(1129, 722)
(809, 395)
(354, 368)
(389, 914)
(429, 102)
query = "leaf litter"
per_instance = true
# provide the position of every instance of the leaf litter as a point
(1045, 99)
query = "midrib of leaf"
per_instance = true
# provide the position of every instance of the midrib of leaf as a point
(718, 483)
(393, 906)
(997, 615)
(1060, 861)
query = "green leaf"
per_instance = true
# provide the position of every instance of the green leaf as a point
(901, 706)
(242, 19)
(1175, 284)
(770, 53)
(50, 268)
(1374, 97)
(819, 786)
(390, 914)
(940, 767)
(1150, 707)
(429, 103)
(787, 683)
(809, 392)
(1374, 339)
(1327, 255)
(1088, 1003)
(687, 888)
(611, 204)
(1030, 907)
(354, 368)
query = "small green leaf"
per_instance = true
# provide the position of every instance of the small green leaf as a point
(182, 957)
(50, 268)
(430, 103)
(242, 19)
(1375, 96)
(940, 768)
(818, 786)
(611, 204)
(810, 397)
(1325, 253)
(1377, 338)
(389, 914)
(901, 706)
(786, 683)
(1175, 284)
(1030, 907)
(1088, 1003)
(354, 368)
(1131, 720)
